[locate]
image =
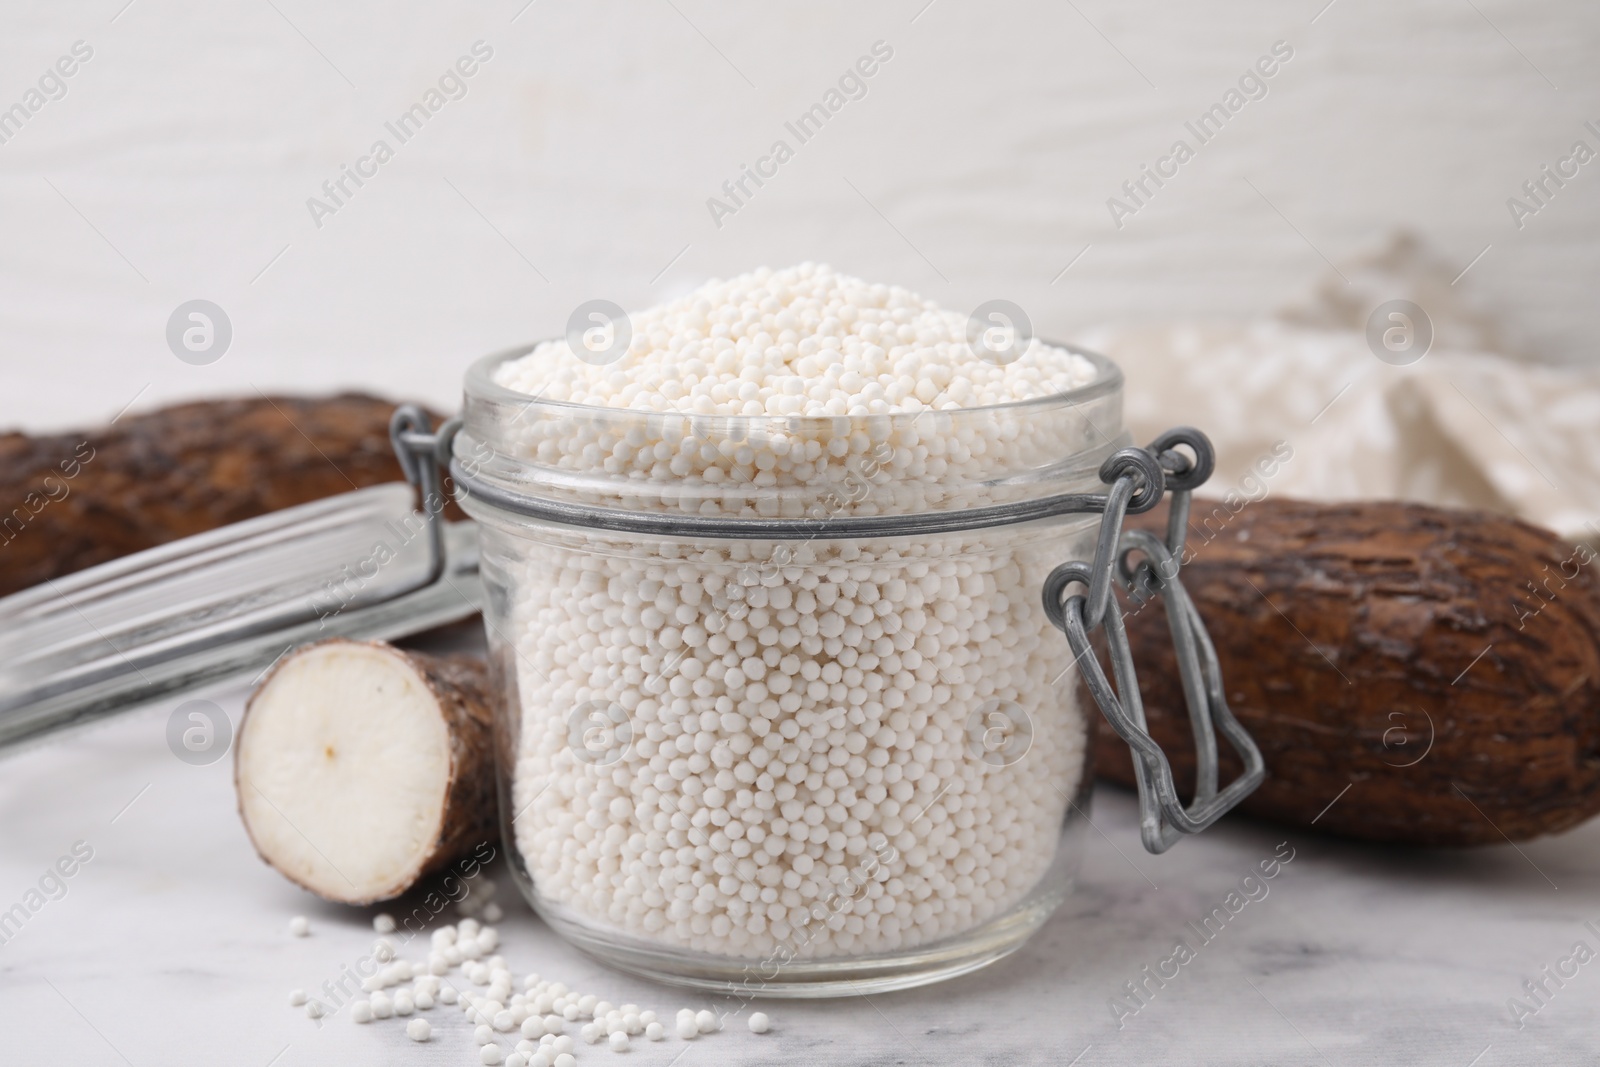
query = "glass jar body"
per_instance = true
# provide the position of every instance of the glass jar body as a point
(787, 768)
(752, 737)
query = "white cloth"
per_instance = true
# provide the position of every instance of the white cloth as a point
(1460, 427)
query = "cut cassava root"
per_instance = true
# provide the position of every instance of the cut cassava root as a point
(1412, 674)
(77, 499)
(361, 767)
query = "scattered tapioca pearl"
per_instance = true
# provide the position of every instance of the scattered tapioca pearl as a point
(492, 912)
(299, 926)
(759, 1023)
(297, 997)
(383, 922)
(488, 1013)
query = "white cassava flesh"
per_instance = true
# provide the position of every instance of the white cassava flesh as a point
(361, 767)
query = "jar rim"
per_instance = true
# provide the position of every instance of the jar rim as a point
(529, 456)
(480, 384)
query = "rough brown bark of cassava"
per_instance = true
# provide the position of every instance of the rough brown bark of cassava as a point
(340, 745)
(69, 501)
(1443, 665)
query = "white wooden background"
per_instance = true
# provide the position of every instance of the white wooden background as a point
(178, 165)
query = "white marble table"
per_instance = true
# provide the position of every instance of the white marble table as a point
(170, 947)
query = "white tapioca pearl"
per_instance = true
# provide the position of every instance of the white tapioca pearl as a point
(875, 619)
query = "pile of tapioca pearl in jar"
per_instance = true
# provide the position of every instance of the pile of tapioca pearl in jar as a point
(813, 744)
(804, 737)
(807, 342)
(525, 1028)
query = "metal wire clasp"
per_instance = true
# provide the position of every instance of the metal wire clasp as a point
(423, 454)
(1138, 477)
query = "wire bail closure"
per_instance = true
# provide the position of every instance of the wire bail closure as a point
(423, 454)
(1138, 477)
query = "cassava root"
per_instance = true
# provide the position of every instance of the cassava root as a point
(361, 767)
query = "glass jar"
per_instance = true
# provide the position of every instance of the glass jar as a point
(782, 712)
